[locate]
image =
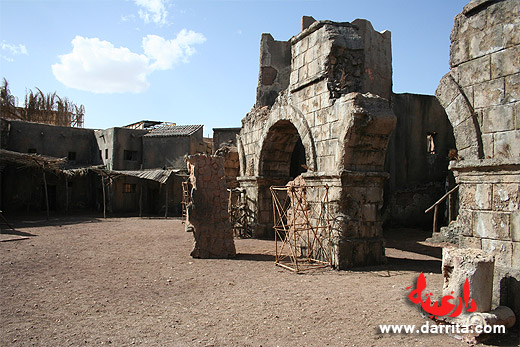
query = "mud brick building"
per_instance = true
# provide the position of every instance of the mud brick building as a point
(142, 168)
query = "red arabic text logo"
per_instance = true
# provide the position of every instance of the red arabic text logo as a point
(445, 307)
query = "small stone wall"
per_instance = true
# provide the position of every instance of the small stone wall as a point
(207, 214)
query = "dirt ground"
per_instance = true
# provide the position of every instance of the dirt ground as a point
(123, 281)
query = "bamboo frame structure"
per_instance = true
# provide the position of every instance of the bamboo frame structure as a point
(302, 227)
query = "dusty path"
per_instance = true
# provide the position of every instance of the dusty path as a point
(128, 280)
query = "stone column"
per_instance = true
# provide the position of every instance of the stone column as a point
(207, 213)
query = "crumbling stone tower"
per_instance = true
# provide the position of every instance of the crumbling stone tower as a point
(322, 111)
(481, 95)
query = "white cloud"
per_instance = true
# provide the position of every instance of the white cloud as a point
(99, 67)
(128, 18)
(153, 11)
(10, 50)
(167, 53)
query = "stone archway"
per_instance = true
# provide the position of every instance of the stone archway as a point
(277, 152)
(282, 158)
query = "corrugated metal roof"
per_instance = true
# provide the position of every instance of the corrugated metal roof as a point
(158, 175)
(174, 130)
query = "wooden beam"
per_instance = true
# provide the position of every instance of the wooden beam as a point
(46, 192)
(104, 196)
(140, 198)
(166, 208)
(66, 194)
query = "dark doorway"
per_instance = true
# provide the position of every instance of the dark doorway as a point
(298, 162)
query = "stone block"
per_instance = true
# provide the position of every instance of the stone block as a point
(447, 91)
(506, 197)
(370, 212)
(473, 265)
(505, 62)
(489, 93)
(374, 195)
(467, 196)
(515, 226)
(502, 250)
(297, 62)
(505, 12)
(305, 43)
(512, 88)
(293, 78)
(471, 242)
(512, 32)
(483, 42)
(483, 195)
(474, 71)
(516, 255)
(498, 118)
(458, 111)
(465, 134)
(459, 52)
(491, 225)
(469, 153)
(487, 145)
(302, 73)
(314, 103)
(465, 222)
(507, 144)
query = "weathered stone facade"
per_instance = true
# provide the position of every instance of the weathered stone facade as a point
(481, 95)
(207, 215)
(329, 119)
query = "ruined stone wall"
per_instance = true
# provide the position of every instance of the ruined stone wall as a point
(275, 66)
(417, 173)
(207, 215)
(481, 95)
(336, 111)
(231, 165)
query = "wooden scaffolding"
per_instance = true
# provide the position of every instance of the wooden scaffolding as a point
(302, 227)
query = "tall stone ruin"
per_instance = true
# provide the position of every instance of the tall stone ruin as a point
(481, 95)
(323, 111)
(207, 213)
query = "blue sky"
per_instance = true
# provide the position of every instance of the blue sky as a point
(192, 61)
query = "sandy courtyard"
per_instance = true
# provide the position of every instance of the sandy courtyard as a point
(123, 281)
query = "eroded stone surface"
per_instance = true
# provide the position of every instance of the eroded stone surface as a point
(208, 213)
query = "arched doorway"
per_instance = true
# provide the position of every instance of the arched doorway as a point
(282, 158)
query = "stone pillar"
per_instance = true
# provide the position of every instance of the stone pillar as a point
(475, 265)
(481, 96)
(208, 213)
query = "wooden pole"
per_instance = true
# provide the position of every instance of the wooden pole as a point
(104, 196)
(66, 194)
(450, 208)
(46, 193)
(140, 198)
(166, 207)
(435, 220)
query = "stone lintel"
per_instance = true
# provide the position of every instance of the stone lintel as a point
(485, 165)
